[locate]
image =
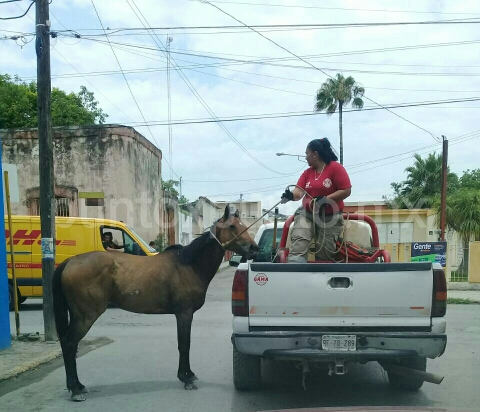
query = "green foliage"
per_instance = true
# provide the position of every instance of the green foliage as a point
(18, 105)
(169, 187)
(161, 242)
(471, 179)
(463, 213)
(339, 91)
(336, 93)
(422, 188)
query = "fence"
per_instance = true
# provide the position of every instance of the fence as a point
(461, 273)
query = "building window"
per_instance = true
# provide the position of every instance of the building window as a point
(66, 203)
(94, 202)
(61, 207)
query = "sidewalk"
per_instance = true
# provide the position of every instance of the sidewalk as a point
(24, 355)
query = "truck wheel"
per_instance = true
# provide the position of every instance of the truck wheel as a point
(409, 384)
(11, 303)
(246, 371)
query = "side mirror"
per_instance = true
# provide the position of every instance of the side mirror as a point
(235, 260)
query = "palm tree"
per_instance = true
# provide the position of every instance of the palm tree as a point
(423, 185)
(339, 92)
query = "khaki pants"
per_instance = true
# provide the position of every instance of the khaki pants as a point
(327, 230)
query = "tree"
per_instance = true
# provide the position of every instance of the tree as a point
(168, 186)
(339, 92)
(422, 187)
(463, 211)
(18, 105)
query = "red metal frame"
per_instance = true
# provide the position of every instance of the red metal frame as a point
(349, 216)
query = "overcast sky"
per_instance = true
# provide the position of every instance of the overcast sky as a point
(219, 78)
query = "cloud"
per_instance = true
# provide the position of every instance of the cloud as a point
(207, 159)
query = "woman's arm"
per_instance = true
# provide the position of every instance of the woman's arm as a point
(297, 193)
(339, 195)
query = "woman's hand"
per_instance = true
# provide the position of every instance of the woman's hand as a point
(287, 196)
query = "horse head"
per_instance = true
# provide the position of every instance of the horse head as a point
(233, 235)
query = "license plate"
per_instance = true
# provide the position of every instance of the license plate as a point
(339, 342)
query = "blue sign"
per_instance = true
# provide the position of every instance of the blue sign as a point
(5, 338)
(429, 252)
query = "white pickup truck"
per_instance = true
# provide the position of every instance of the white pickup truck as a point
(332, 314)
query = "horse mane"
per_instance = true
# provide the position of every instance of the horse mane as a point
(188, 254)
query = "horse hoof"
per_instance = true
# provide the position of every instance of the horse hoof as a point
(78, 398)
(190, 386)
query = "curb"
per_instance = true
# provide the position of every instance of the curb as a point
(463, 286)
(30, 365)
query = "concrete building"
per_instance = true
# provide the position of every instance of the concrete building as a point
(101, 171)
(249, 213)
(204, 213)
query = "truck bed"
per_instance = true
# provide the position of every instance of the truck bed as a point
(359, 296)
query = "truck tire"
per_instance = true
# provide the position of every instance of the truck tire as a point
(408, 384)
(246, 371)
(11, 303)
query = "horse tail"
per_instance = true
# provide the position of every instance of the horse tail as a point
(60, 305)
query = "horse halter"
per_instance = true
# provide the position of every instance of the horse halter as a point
(224, 245)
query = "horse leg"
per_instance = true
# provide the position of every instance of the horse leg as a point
(184, 326)
(75, 333)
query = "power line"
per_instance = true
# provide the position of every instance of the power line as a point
(310, 64)
(17, 17)
(473, 20)
(268, 61)
(456, 140)
(337, 8)
(301, 114)
(126, 81)
(202, 101)
(276, 187)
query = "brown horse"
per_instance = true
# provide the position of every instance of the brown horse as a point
(172, 282)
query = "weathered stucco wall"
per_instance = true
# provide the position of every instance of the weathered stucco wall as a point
(112, 159)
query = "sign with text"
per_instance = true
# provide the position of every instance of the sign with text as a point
(429, 252)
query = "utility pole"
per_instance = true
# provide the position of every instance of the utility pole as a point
(45, 145)
(169, 97)
(443, 206)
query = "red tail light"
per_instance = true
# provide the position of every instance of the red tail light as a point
(439, 300)
(240, 293)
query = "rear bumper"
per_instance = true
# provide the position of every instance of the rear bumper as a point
(371, 346)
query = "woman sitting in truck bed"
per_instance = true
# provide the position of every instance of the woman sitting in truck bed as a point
(323, 186)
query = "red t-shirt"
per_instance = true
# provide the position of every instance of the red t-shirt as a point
(333, 177)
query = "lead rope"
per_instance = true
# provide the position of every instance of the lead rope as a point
(224, 245)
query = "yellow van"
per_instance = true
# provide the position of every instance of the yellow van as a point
(74, 235)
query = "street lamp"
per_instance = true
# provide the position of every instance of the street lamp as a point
(301, 158)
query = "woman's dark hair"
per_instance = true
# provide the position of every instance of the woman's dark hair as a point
(324, 149)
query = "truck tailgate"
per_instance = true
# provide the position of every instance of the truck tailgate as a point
(340, 295)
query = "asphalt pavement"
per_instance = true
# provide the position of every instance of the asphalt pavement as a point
(129, 362)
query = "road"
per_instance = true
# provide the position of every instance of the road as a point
(138, 370)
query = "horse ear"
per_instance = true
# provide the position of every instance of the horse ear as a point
(237, 213)
(226, 215)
